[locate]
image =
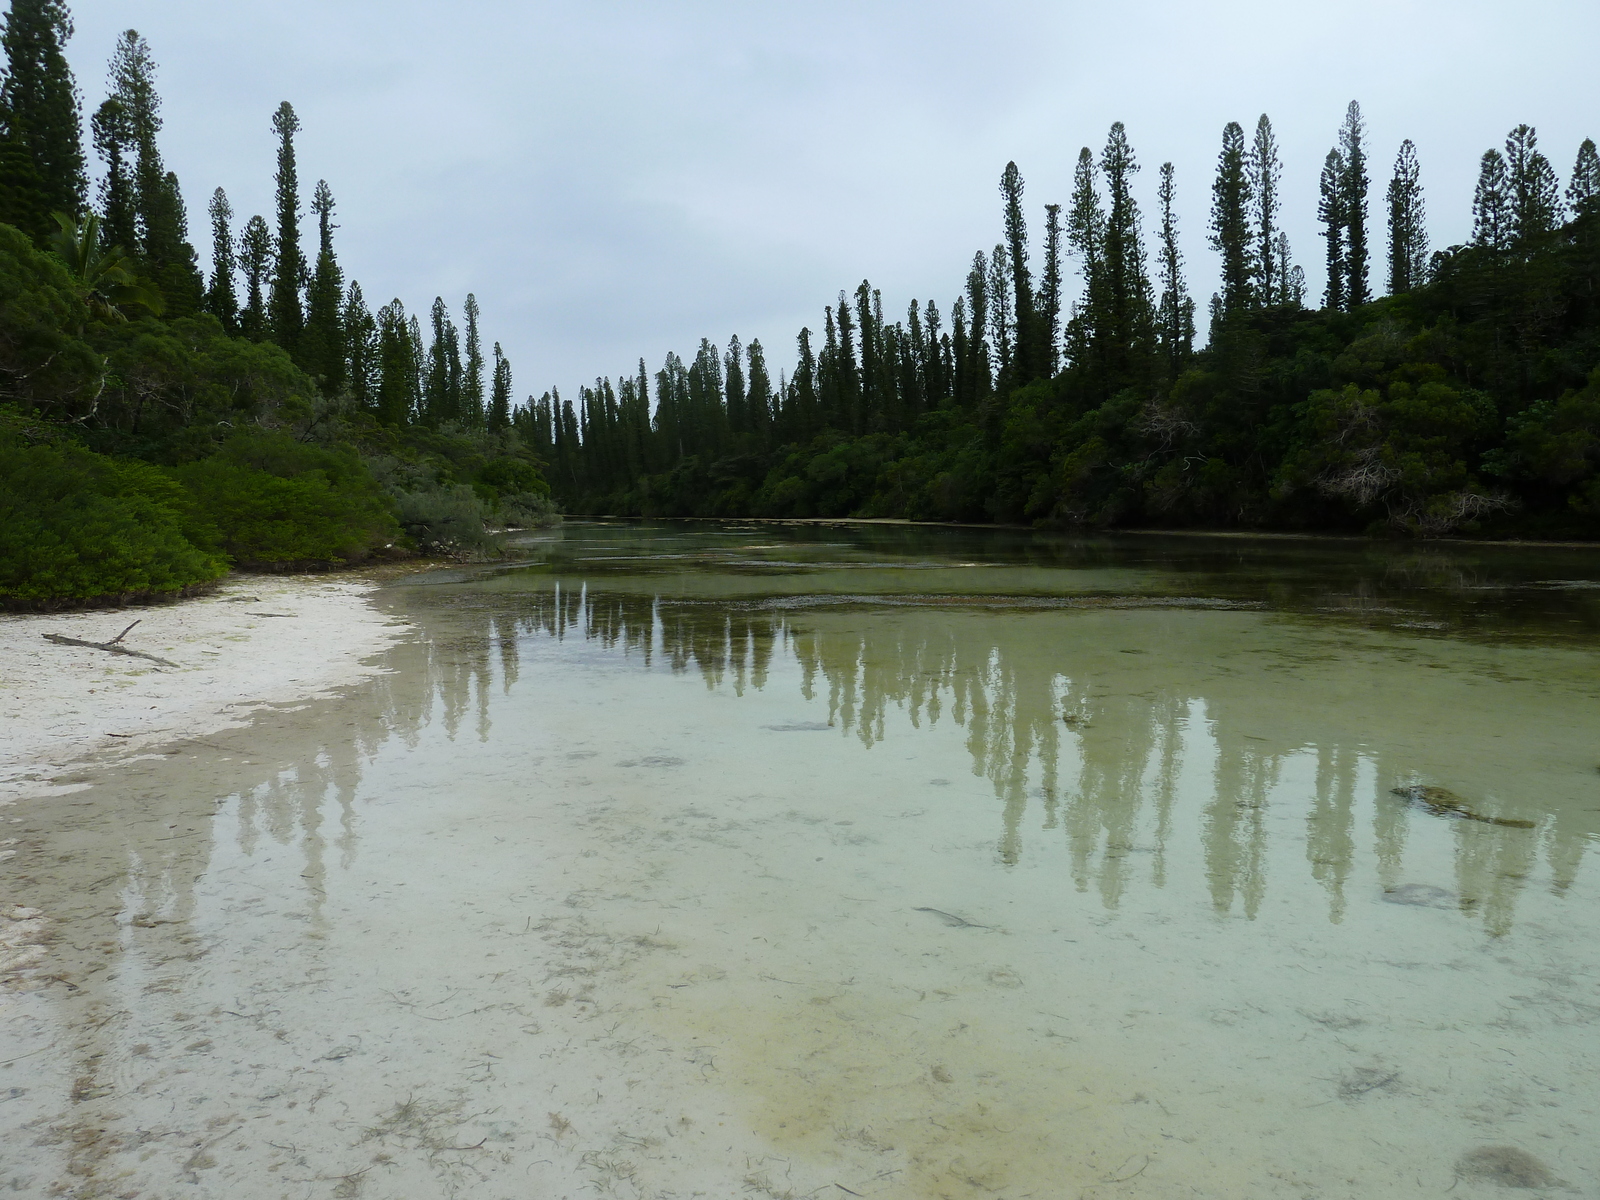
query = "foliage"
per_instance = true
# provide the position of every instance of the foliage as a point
(273, 501)
(77, 526)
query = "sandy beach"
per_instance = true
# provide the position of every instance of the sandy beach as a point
(257, 641)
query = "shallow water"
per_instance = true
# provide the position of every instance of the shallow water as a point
(738, 861)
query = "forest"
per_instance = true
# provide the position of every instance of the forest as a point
(161, 423)
(1464, 399)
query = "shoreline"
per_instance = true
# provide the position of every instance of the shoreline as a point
(1239, 534)
(251, 642)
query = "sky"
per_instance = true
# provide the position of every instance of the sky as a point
(618, 179)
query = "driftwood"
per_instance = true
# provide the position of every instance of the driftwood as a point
(110, 647)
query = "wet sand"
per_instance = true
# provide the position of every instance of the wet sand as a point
(260, 640)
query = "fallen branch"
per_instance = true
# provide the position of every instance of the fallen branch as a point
(110, 647)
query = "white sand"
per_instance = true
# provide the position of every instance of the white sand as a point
(63, 705)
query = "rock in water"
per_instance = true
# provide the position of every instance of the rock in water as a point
(1442, 802)
(1506, 1166)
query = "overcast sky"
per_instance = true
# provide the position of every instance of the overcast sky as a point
(620, 178)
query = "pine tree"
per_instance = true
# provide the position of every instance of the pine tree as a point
(1086, 233)
(1175, 320)
(162, 228)
(1408, 234)
(734, 386)
(255, 259)
(936, 369)
(441, 388)
(222, 299)
(1265, 173)
(1353, 201)
(759, 398)
(396, 366)
(113, 139)
(39, 104)
(1129, 313)
(980, 368)
(322, 348)
(361, 350)
(1001, 321)
(1533, 189)
(1291, 278)
(847, 372)
(1030, 354)
(1583, 193)
(473, 412)
(1231, 196)
(500, 392)
(807, 403)
(285, 318)
(1491, 204)
(1330, 211)
(1049, 301)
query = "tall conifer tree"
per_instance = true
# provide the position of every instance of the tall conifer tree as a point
(473, 412)
(734, 392)
(162, 240)
(1492, 220)
(1353, 200)
(441, 387)
(1231, 196)
(1049, 298)
(1265, 173)
(322, 349)
(397, 365)
(1129, 310)
(807, 422)
(222, 298)
(255, 259)
(1001, 318)
(759, 401)
(1583, 193)
(1408, 233)
(113, 141)
(1175, 319)
(500, 392)
(1029, 348)
(1330, 211)
(1086, 235)
(361, 350)
(39, 104)
(1291, 278)
(1535, 194)
(285, 317)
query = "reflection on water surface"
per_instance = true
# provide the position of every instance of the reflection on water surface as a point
(909, 863)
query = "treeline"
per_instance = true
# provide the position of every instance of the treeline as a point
(157, 424)
(1462, 399)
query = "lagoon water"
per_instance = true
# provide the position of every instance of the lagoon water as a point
(736, 860)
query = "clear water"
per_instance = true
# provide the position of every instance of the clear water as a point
(692, 860)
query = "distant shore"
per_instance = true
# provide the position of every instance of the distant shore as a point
(1239, 534)
(254, 641)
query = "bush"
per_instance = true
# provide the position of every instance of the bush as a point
(528, 510)
(77, 527)
(267, 499)
(448, 520)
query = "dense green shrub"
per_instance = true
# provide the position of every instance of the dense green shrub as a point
(44, 359)
(270, 500)
(447, 520)
(77, 526)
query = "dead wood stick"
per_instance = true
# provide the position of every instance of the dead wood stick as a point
(110, 647)
(123, 634)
